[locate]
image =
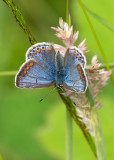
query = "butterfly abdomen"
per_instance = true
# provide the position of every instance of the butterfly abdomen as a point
(59, 69)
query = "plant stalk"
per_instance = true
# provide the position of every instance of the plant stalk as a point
(69, 136)
(99, 139)
(8, 73)
(20, 20)
(69, 127)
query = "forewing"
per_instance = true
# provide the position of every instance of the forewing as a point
(33, 75)
(76, 79)
(73, 56)
(44, 54)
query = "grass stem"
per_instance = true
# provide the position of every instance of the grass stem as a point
(69, 136)
(8, 73)
(96, 38)
(69, 128)
(99, 139)
(20, 20)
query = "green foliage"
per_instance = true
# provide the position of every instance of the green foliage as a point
(66, 100)
(19, 18)
(22, 117)
(1, 157)
(100, 19)
(96, 37)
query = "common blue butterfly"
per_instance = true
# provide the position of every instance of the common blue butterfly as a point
(45, 67)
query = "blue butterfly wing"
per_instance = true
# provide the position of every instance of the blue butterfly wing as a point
(44, 54)
(74, 64)
(33, 75)
(73, 56)
(75, 80)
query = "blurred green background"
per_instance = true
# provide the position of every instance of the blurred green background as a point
(30, 130)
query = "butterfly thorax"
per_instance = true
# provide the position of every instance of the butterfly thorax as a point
(60, 69)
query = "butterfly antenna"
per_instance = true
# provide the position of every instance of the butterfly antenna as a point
(48, 94)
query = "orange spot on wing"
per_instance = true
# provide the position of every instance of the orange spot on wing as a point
(79, 58)
(31, 64)
(76, 56)
(49, 49)
(27, 67)
(78, 67)
(81, 76)
(74, 53)
(69, 51)
(38, 50)
(80, 71)
(43, 49)
(34, 52)
(25, 72)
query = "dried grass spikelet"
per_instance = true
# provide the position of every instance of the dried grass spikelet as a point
(97, 77)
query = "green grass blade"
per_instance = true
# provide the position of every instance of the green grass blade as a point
(99, 139)
(69, 126)
(71, 108)
(8, 73)
(100, 19)
(90, 97)
(96, 38)
(69, 136)
(1, 157)
(20, 20)
(111, 65)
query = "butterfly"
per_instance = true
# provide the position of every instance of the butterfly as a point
(45, 66)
